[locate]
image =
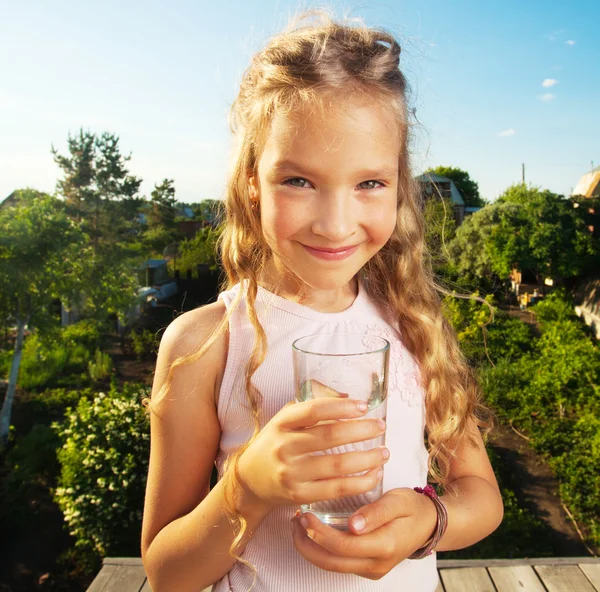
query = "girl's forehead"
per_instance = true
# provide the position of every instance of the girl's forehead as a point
(333, 127)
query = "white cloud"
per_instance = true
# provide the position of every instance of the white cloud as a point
(549, 82)
(507, 133)
(570, 42)
(546, 97)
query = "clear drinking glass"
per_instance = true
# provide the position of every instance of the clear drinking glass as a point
(349, 365)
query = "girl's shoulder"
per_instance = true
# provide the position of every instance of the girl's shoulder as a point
(187, 334)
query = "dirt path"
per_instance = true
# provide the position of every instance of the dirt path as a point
(537, 489)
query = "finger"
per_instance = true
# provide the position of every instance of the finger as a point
(335, 434)
(322, 391)
(323, 558)
(346, 544)
(310, 413)
(329, 489)
(327, 466)
(390, 506)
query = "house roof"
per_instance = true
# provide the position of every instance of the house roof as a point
(589, 184)
(454, 192)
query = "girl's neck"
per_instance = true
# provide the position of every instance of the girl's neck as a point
(321, 300)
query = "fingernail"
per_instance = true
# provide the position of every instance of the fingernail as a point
(361, 405)
(358, 522)
(381, 424)
(379, 475)
(385, 453)
(298, 513)
(304, 522)
(310, 534)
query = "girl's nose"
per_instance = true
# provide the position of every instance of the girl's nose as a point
(335, 219)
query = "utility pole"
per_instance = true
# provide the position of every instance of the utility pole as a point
(523, 173)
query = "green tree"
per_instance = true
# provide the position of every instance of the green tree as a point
(527, 229)
(96, 175)
(202, 249)
(43, 254)
(163, 205)
(210, 211)
(468, 188)
(100, 192)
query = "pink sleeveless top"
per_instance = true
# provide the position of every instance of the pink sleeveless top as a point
(271, 550)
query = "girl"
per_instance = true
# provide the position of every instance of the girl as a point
(323, 233)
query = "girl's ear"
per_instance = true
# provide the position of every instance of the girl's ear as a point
(253, 189)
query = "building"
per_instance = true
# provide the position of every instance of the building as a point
(589, 184)
(436, 185)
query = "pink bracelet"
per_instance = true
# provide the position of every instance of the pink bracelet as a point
(441, 525)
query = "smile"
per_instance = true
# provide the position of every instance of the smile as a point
(331, 254)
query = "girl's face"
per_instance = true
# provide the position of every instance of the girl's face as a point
(327, 183)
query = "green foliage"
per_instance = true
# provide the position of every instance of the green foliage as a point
(5, 362)
(485, 333)
(552, 394)
(202, 249)
(525, 228)
(468, 188)
(100, 367)
(104, 462)
(557, 306)
(440, 229)
(521, 534)
(143, 343)
(47, 363)
(28, 469)
(86, 332)
(40, 255)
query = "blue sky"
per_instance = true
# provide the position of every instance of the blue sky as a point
(495, 84)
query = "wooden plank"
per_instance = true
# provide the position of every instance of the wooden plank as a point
(516, 577)
(444, 563)
(102, 578)
(146, 587)
(592, 571)
(467, 579)
(127, 578)
(440, 587)
(563, 578)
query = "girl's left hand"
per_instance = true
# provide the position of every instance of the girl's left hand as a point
(394, 527)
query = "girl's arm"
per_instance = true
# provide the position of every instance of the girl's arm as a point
(185, 534)
(473, 499)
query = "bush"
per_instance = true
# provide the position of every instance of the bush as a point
(101, 367)
(5, 362)
(104, 462)
(29, 468)
(49, 362)
(143, 343)
(86, 333)
(557, 306)
(552, 394)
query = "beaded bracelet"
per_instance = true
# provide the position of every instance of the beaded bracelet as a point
(440, 527)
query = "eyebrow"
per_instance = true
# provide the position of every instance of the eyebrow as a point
(384, 172)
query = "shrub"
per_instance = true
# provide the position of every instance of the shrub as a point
(51, 362)
(100, 367)
(29, 467)
(557, 306)
(104, 462)
(142, 343)
(86, 333)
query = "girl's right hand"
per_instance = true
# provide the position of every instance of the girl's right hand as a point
(280, 466)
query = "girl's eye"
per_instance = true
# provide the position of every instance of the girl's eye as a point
(370, 184)
(296, 182)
